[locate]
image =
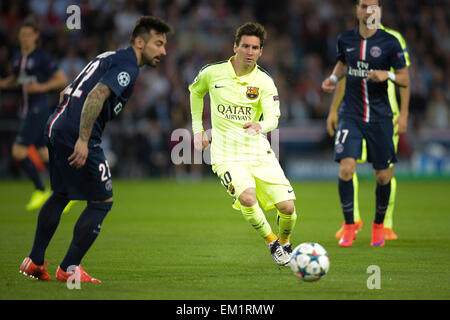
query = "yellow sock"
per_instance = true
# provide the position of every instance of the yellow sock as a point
(388, 223)
(270, 238)
(286, 223)
(255, 216)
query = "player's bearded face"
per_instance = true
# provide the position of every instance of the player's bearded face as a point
(154, 49)
(248, 51)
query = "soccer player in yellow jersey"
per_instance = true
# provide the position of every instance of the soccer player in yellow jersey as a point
(244, 106)
(400, 128)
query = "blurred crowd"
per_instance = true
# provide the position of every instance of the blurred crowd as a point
(299, 53)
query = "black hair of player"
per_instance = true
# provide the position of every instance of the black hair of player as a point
(251, 29)
(31, 23)
(379, 3)
(145, 24)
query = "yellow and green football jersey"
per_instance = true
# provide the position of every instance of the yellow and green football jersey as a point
(234, 101)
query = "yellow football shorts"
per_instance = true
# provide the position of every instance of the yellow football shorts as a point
(266, 176)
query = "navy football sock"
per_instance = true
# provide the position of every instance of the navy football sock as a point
(47, 223)
(32, 173)
(346, 196)
(85, 232)
(382, 194)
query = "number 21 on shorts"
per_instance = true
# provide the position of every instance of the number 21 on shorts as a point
(105, 171)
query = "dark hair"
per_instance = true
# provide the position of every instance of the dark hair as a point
(251, 29)
(379, 3)
(29, 22)
(146, 23)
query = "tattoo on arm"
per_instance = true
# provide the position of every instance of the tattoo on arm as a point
(91, 109)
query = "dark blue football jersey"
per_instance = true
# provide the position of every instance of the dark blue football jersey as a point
(116, 69)
(36, 66)
(368, 100)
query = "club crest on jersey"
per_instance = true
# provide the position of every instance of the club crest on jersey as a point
(375, 52)
(252, 92)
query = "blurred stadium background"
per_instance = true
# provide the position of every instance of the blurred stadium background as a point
(299, 54)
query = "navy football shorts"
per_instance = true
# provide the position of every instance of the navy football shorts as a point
(31, 130)
(379, 139)
(90, 182)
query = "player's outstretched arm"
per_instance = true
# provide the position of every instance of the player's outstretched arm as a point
(338, 95)
(90, 112)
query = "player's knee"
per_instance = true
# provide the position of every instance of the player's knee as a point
(346, 170)
(248, 198)
(19, 152)
(286, 207)
(383, 177)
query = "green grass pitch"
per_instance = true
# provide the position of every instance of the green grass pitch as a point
(179, 241)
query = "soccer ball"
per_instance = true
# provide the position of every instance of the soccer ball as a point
(309, 261)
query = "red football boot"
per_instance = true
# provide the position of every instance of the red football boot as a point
(83, 275)
(348, 236)
(340, 232)
(28, 268)
(377, 235)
